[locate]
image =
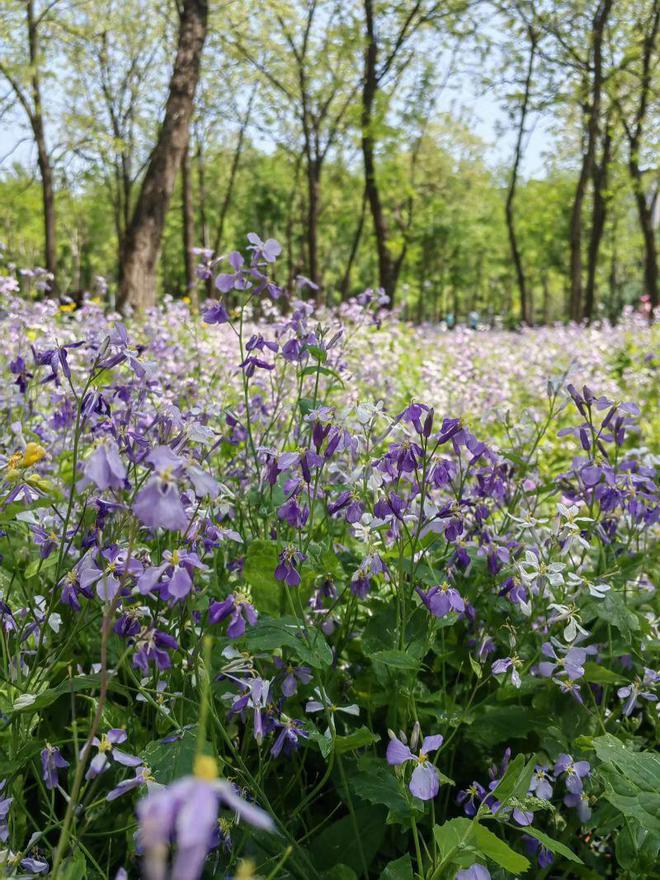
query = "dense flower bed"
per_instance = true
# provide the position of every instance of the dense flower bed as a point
(287, 593)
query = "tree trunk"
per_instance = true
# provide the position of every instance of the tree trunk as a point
(591, 111)
(644, 206)
(203, 223)
(346, 280)
(386, 268)
(598, 217)
(313, 204)
(43, 158)
(188, 221)
(143, 240)
(511, 194)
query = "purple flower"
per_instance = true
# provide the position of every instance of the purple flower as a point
(268, 250)
(142, 777)
(104, 468)
(289, 736)
(152, 647)
(173, 577)
(579, 800)
(214, 311)
(116, 565)
(293, 514)
(292, 675)
(470, 798)
(107, 750)
(502, 666)
(185, 814)
(575, 772)
(241, 610)
(286, 570)
(425, 781)
(540, 784)
(441, 600)
(51, 762)
(474, 872)
(535, 847)
(158, 505)
(633, 691)
(572, 663)
(34, 866)
(5, 804)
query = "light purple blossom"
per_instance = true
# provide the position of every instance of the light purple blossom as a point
(425, 781)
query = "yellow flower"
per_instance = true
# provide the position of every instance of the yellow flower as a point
(32, 453)
(245, 870)
(205, 767)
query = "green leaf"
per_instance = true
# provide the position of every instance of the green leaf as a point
(515, 782)
(324, 371)
(358, 739)
(270, 633)
(597, 674)
(37, 566)
(401, 869)
(612, 608)
(376, 783)
(35, 702)
(632, 780)
(498, 851)
(476, 667)
(74, 868)
(396, 660)
(454, 834)
(261, 560)
(555, 846)
(170, 760)
(319, 354)
(497, 724)
(337, 844)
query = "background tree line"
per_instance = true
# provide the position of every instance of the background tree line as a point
(157, 127)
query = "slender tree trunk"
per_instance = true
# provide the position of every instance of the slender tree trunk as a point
(203, 222)
(313, 206)
(386, 269)
(592, 114)
(43, 157)
(511, 194)
(143, 240)
(575, 238)
(598, 217)
(188, 222)
(645, 206)
(346, 280)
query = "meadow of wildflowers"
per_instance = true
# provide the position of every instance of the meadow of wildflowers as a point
(294, 593)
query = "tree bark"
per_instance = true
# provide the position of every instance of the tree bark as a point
(511, 194)
(386, 267)
(188, 222)
(143, 240)
(635, 135)
(43, 157)
(346, 280)
(591, 111)
(598, 216)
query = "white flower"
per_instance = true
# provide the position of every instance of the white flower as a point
(598, 591)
